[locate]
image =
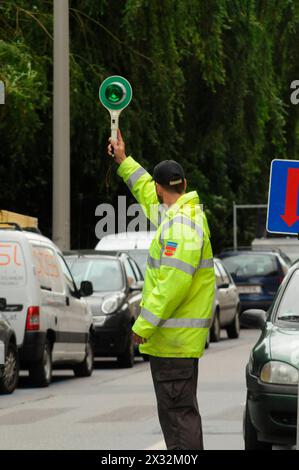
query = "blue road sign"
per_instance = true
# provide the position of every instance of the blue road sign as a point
(283, 204)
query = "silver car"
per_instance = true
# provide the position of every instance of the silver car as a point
(227, 304)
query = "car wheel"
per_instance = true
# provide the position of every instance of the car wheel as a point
(127, 358)
(40, 373)
(233, 330)
(250, 435)
(85, 368)
(216, 328)
(9, 373)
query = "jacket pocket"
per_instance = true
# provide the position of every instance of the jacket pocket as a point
(176, 384)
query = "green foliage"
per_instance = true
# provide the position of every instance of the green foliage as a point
(211, 86)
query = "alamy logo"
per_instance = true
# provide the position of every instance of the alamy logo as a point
(295, 94)
(134, 219)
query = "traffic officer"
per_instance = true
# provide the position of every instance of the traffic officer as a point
(178, 294)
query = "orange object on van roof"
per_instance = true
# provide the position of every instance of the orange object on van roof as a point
(24, 221)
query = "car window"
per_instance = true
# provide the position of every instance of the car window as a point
(250, 265)
(223, 274)
(129, 272)
(217, 274)
(283, 264)
(140, 256)
(67, 275)
(136, 269)
(70, 261)
(231, 281)
(288, 309)
(47, 268)
(12, 265)
(105, 274)
(286, 259)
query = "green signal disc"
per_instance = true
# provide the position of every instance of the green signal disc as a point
(115, 93)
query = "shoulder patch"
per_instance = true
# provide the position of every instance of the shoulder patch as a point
(170, 248)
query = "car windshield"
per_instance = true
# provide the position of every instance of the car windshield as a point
(140, 256)
(105, 274)
(251, 265)
(288, 309)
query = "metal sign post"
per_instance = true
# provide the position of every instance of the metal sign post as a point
(115, 94)
(235, 221)
(61, 127)
(2, 92)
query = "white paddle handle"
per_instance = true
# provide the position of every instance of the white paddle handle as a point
(114, 124)
(114, 134)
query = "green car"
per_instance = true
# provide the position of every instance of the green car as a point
(270, 416)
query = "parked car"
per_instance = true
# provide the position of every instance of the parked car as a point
(117, 282)
(227, 304)
(257, 275)
(272, 372)
(50, 316)
(136, 244)
(9, 360)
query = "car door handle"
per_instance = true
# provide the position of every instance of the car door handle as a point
(67, 300)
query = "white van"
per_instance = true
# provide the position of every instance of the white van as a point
(136, 244)
(51, 319)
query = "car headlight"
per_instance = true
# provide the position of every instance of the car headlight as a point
(111, 304)
(275, 372)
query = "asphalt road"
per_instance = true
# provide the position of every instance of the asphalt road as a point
(116, 408)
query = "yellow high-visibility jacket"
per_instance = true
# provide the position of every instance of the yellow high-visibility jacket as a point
(179, 287)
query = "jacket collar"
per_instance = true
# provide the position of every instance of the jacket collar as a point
(190, 198)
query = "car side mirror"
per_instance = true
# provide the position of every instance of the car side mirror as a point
(136, 286)
(253, 318)
(86, 288)
(2, 304)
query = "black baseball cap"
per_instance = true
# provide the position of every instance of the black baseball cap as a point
(168, 172)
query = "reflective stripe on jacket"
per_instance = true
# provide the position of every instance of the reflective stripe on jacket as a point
(179, 286)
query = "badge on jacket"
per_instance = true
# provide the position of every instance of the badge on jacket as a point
(170, 248)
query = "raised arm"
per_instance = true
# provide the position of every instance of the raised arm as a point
(137, 178)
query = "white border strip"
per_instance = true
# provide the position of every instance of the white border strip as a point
(270, 231)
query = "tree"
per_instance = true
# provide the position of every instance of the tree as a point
(210, 83)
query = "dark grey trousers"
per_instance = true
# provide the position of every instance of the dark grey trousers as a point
(175, 383)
